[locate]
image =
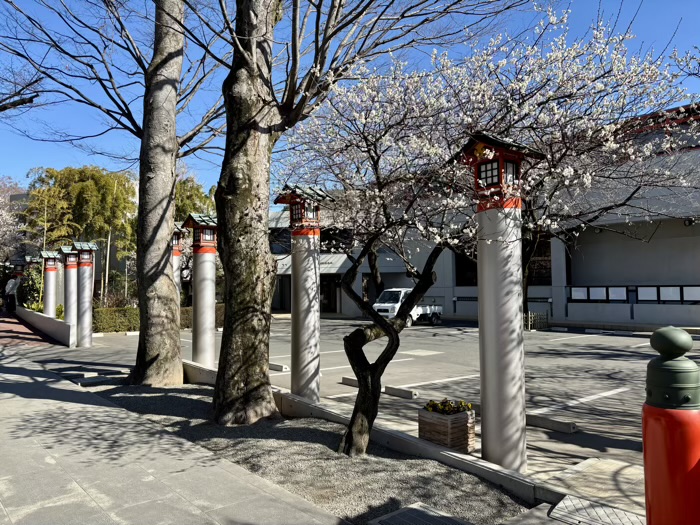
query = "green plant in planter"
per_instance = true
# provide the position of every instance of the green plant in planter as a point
(447, 406)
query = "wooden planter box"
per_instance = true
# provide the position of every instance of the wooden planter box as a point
(455, 431)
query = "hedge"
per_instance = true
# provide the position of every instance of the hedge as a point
(127, 319)
(115, 320)
(186, 316)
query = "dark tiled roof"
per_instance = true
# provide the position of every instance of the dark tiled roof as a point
(311, 193)
(197, 219)
(480, 137)
(49, 254)
(84, 246)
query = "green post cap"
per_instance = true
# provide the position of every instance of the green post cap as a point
(673, 381)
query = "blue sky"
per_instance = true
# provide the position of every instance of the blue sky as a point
(654, 26)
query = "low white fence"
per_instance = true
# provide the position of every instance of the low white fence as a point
(54, 328)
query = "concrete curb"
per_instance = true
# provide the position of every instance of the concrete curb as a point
(405, 393)
(396, 391)
(349, 381)
(538, 421)
(196, 373)
(278, 367)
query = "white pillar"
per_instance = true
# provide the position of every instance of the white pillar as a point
(558, 279)
(176, 258)
(204, 306)
(85, 289)
(306, 314)
(50, 274)
(503, 439)
(70, 292)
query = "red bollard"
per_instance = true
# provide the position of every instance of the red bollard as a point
(671, 432)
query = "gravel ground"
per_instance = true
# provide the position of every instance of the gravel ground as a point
(299, 455)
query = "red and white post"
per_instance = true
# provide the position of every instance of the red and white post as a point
(306, 313)
(496, 163)
(70, 288)
(50, 277)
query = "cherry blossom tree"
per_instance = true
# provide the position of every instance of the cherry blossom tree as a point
(376, 145)
(598, 113)
(390, 147)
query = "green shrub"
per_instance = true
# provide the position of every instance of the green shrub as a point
(186, 316)
(127, 319)
(60, 312)
(35, 307)
(115, 320)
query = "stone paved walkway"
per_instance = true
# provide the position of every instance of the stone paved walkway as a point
(67, 456)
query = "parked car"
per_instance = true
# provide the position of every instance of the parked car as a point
(390, 300)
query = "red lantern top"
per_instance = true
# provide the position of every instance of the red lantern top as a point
(496, 165)
(203, 232)
(304, 207)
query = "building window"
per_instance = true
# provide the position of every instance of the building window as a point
(465, 270)
(197, 235)
(86, 256)
(511, 172)
(207, 234)
(50, 262)
(488, 174)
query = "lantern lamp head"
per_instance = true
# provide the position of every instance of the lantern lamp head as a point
(496, 164)
(304, 205)
(86, 251)
(203, 229)
(50, 259)
(70, 256)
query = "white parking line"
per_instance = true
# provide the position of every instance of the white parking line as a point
(457, 332)
(572, 337)
(338, 367)
(440, 381)
(185, 339)
(336, 396)
(579, 401)
(322, 353)
(639, 346)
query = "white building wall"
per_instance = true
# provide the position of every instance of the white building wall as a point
(669, 254)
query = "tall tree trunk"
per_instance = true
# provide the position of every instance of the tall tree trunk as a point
(243, 393)
(369, 382)
(369, 375)
(158, 359)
